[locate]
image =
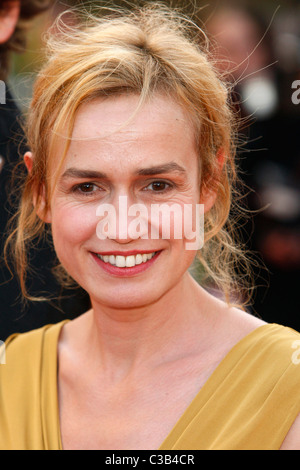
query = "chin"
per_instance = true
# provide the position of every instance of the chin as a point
(125, 296)
(124, 301)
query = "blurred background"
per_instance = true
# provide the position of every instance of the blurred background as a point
(257, 47)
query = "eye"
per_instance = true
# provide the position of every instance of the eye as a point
(158, 186)
(85, 188)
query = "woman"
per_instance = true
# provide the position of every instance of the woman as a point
(129, 108)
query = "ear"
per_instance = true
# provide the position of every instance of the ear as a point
(221, 156)
(9, 15)
(28, 160)
(46, 217)
(209, 197)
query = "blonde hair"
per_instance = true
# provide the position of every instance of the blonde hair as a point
(142, 51)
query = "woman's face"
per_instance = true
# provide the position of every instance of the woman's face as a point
(119, 161)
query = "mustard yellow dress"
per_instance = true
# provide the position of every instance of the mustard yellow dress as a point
(248, 403)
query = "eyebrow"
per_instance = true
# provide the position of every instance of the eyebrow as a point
(78, 173)
(171, 167)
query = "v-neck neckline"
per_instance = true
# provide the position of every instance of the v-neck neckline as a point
(194, 404)
(214, 380)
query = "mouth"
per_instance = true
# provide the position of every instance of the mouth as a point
(129, 264)
(127, 261)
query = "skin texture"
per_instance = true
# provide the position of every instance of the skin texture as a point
(149, 337)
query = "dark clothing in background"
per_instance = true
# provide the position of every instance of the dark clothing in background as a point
(271, 167)
(13, 316)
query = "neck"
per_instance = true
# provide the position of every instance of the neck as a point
(148, 335)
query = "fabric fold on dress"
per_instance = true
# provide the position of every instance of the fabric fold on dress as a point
(249, 402)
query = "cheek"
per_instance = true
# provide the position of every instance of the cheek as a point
(180, 221)
(72, 226)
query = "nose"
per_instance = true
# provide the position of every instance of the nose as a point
(121, 221)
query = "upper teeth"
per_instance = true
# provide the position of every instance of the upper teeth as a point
(126, 261)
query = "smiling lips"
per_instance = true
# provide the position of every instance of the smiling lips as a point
(129, 261)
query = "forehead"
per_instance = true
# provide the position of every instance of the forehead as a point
(120, 117)
(116, 132)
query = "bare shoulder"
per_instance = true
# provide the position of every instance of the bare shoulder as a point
(72, 338)
(232, 322)
(75, 327)
(244, 321)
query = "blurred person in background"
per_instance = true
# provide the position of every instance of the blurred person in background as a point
(15, 16)
(262, 68)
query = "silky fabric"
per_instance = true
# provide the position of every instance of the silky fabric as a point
(249, 402)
